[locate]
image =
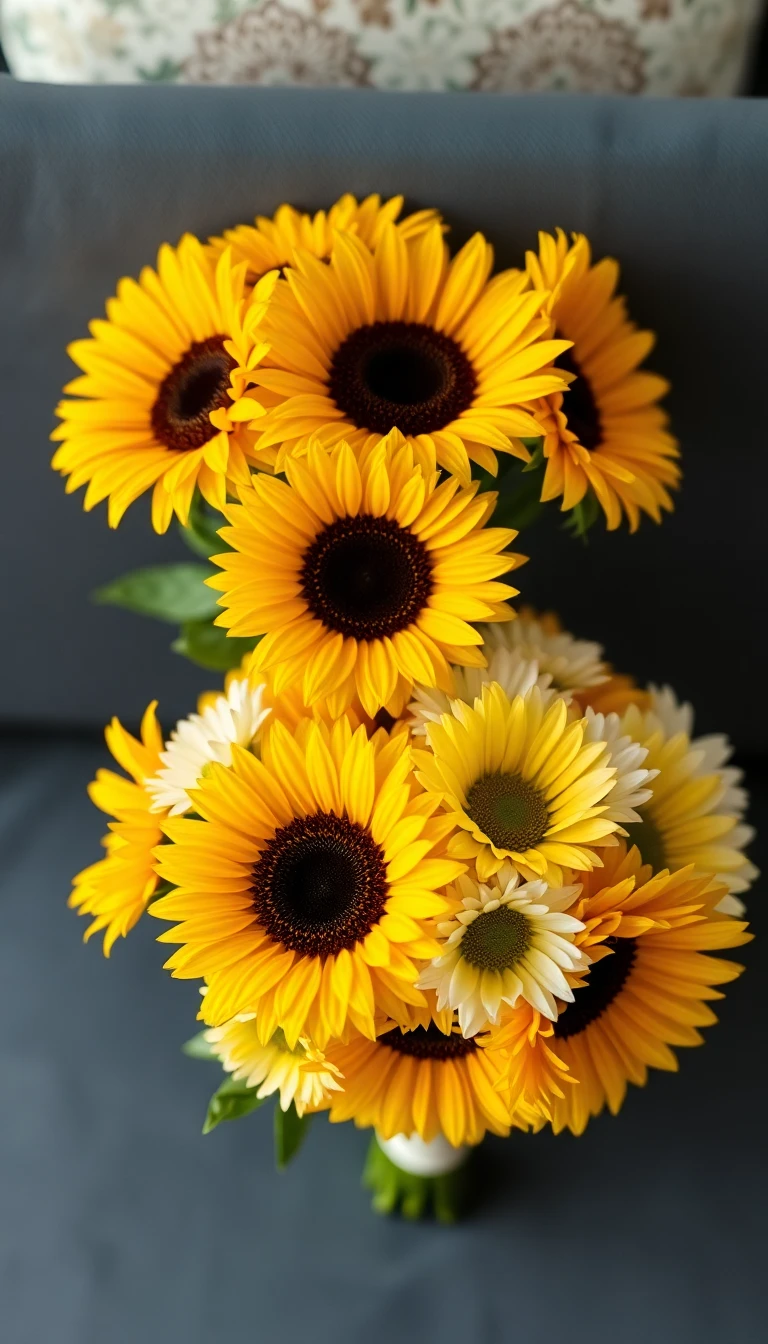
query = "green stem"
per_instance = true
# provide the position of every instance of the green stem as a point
(396, 1191)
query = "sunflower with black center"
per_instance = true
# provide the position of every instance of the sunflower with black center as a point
(398, 335)
(607, 432)
(519, 782)
(362, 574)
(163, 400)
(422, 1081)
(304, 888)
(695, 814)
(648, 992)
(268, 244)
(115, 891)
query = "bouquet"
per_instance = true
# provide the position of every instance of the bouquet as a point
(438, 869)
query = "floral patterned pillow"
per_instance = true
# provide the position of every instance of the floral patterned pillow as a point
(508, 46)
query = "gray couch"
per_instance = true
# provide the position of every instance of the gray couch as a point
(118, 1222)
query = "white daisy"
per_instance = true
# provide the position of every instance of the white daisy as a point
(506, 941)
(303, 1075)
(514, 673)
(572, 664)
(236, 717)
(630, 789)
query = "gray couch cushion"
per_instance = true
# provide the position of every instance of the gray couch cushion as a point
(95, 178)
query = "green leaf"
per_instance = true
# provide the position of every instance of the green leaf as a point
(229, 1102)
(210, 646)
(290, 1132)
(583, 516)
(201, 532)
(199, 1047)
(174, 593)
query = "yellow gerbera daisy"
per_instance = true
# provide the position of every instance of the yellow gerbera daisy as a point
(268, 244)
(116, 889)
(695, 814)
(613, 696)
(421, 1082)
(362, 573)
(303, 891)
(398, 336)
(607, 431)
(520, 783)
(301, 1074)
(647, 994)
(162, 400)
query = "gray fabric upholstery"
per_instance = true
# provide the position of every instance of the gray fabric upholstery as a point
(120, 1223)
(93, 179)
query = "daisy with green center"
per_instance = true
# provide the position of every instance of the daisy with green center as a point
(301, 1074)
(695, 815)
(506, 941)
(520, 782)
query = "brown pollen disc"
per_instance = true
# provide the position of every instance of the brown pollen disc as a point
(403, 375)
(195, 386)
(428, 1043)
(319, 885)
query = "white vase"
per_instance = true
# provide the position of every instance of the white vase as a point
(589, 46)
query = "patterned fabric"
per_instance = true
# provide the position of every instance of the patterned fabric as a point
(508, 46)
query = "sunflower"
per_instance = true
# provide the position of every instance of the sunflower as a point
(303, 890)
(607, 432)
(116, 889)
(520, 783)
(162, 399)
(695, 814)
(362, 574)
(423, 1082)
(236, 717)
(647, 993)
(504, 942)
(269, 244)
(300, 1074)
(399, 336)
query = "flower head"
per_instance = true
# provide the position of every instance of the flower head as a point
(505, 941)
(301, 1074)
(163, 401)
(269, 244)
(397, 335)
(421, 1081)
(520, 782)
(607, 432)
(362, 573)
(696, 810)
(115, 891)
(303, 889)
(647, 990)
(236, 717)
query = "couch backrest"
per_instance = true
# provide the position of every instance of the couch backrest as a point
(93, 179)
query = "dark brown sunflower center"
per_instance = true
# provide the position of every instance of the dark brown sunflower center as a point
(366, 577)
(579, 405)
(606, 978)
(320, 885)
(402, 375)
(195, 386)
(497, 939)
(649, 840)
(509, 810)
(427, 1043)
